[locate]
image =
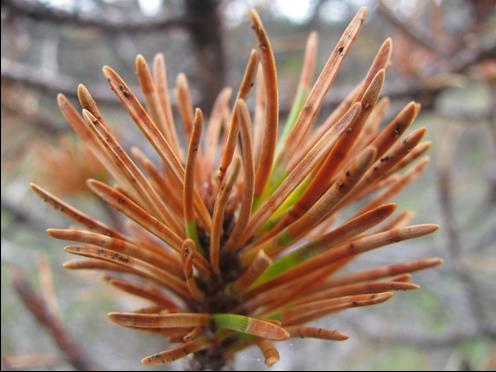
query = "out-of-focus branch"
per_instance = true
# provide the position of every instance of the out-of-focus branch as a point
(421, 340)
(20, 73)
(28, 110)
(454, 243)
(413, 30)
(423, 90)
(6, 366)
(24, 361)
(460, 61)
(40, 119)
(38, 308)
(40, 11)
(15, 72)
(426, 90)
(22, 215)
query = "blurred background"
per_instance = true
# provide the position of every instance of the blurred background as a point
(444, 56)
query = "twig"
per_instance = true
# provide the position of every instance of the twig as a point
(39, 11)
(39, 309)
(21, 73)
(454, 244)
(25, 361)
(23, 215)
(413, 30)
(420, 340)
(485, 241)
(6, 366)
(28, 112)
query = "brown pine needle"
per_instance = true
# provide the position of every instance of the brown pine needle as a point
(277, 297)
(47, 287)
(230, 259)
(187, 253)
(122, 174)
(154, 136)
(267, 150)
(259, 119)
(317, 309)
(345, 232)
(402, 278)
(176, 320)
(402, 219)
(160, 276)
(372, 189)
(249, 177)
(417, 152)
(189, 178)
(304, 86)
(151, 96)
(153, 309)
(143, 121)
(269, 351)
(88, 103)
(322, 208)
(233, 130)
(212, 137)
(336, 156)
(381, 62)
(75, 214)
(270, 330)
(164, 185)
(309, 59)
(313, 332)
(393, 190)
(328, 74)
(194, 334)
(184, 105)
(117, 245)
(146, 240)
(392, 157)
(176, 353)
(93, 264)
(76, 122)
(280, 297)
(218, 215)
(150, 242)
(393, 131)
(160, 75)
(132, 210)
(148, 292)
(132, 172)
(383, 271)
(373, 122)
(260, 216)
(355, 247)
(256, 268)
(356, 289)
